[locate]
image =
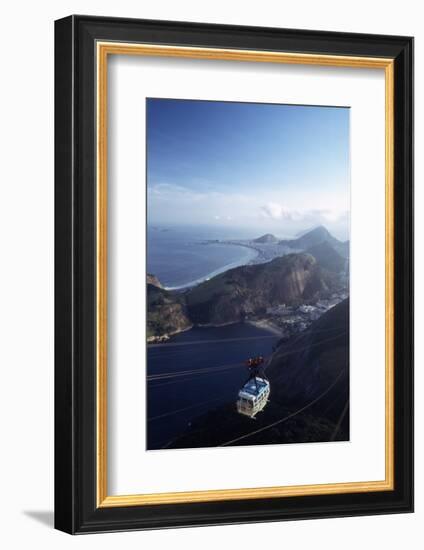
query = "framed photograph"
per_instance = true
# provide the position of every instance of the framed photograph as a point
(234, 274)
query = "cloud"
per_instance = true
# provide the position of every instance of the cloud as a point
(278, 212)
(199, 203)
(174, 192)
(273, 210)
(169, 190)
(329, 215)
(183, 204)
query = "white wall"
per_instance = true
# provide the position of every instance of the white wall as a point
(26, 274)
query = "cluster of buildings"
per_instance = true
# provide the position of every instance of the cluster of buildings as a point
(291, 320)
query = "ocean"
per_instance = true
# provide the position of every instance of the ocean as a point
(179, 257)
(195, 372)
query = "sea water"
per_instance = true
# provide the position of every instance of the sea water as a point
(195, 372)
(182, 257)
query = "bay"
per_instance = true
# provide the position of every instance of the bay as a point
(182, 257)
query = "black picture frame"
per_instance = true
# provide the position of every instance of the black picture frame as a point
(76, 509)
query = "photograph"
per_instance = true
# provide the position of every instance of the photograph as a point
(247, 284)
(233, 269)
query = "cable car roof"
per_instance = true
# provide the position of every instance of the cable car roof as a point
(254, 388)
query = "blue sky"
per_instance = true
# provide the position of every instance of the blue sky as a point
(279, 168)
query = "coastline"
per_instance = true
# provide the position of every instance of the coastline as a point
(166, 337)
(217, 271)
(263, 324)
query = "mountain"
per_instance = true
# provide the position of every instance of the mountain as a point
(250, 290)
(304, 231)
(309, 402)
(327, 257)
(266, 239)
(342, 248)
(316, 236)
(166, 313)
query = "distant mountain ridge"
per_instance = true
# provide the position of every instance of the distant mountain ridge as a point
(315, 237)
(267, 238)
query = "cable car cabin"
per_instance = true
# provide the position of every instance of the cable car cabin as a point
(253, 396)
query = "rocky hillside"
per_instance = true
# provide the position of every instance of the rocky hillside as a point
(250, 290)
(306, 366)
(327, 257)
(245, 291)
(166, 313)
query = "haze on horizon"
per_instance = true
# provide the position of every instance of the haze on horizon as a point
(272, 168)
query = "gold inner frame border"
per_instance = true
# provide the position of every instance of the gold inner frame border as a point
(103, 50)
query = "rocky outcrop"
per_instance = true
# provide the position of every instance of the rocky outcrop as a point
(153, 280)
(166, 314)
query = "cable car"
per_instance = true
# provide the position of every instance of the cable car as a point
(254, 395)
